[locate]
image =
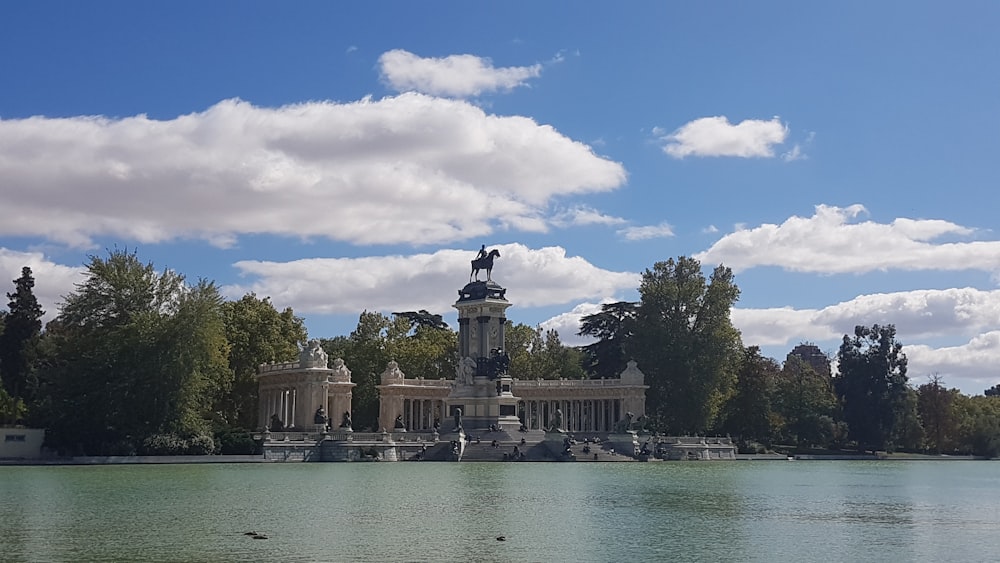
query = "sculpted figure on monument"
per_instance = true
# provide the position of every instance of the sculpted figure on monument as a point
(399, 425)
(276, 424)
(466, 370)
(484, 261)
(458, 419)
(313, 356)
(556, 423)
(346, 421)
(320, 416)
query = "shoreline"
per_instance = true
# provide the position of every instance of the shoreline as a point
(219, 459)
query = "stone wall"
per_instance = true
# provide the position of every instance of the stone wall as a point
(21, 443)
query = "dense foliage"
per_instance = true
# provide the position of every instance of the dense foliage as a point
(685, 343)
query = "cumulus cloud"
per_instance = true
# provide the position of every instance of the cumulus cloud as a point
(540, 277)
(52, 281)
(457, 76)
(919, 314)
(406, 169)
(970, 366)
(829, 243)
(715, 136)
(568, 324)
(646, 232)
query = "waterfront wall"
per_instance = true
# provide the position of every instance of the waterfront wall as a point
(21, 443)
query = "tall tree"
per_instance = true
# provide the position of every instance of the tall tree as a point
(685, 343)
(19, 334)
(936, 404)
(748, 413)
(257, 334)
(805, 403)
(135, 354)
(367, 355)
(612, 326)
(872, 384)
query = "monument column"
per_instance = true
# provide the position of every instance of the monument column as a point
(483, 388)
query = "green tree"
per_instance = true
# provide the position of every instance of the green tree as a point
(428, 350)
(936, 405)
(686, 344)
(540, 354)
(872, 385)
(805, 403)
(257, 334)
(612, 326)
(19, 335)
(135, 354)
(748, 414)
(367, 354)
(978, 425)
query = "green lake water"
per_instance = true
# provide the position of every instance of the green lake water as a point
(684, 511)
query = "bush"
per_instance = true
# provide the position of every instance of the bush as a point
(163, 444)
(172, 444)
(201, 444)
(235, 441)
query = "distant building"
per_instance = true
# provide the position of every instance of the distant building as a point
(811, 355)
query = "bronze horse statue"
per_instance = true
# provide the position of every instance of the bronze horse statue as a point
(484, 263)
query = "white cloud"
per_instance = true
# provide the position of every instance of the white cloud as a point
(405, 169)
(828, 243)
(582, 216)
(794, 154)
(52, 281)
(663, 230)
(972, 366)
(457, 76)
(568, 324)
(539, 277)
(715, 136)
(919, 314)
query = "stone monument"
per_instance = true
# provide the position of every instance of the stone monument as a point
(482, 389)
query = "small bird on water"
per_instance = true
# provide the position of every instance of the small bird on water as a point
(501, 538)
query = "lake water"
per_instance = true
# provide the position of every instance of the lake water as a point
(684, 511)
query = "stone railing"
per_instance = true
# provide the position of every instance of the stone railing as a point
(420, 382)
(267, 368)
(291, 436)
(696, 440)
(577, 383)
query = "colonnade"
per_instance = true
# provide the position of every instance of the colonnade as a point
(578, 415)
(419, 414)
(280, 402)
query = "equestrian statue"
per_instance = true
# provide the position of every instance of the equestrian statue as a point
(484, 261)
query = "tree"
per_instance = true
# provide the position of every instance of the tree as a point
(19, 334)
(993, 391)
(686, 344)
(540, 354)
(428, 351)
(805, 403)
(872, 385)
(135, 354)
(936, 407)
(612, 327)
(748, 413)
(257, 334)
(367, 353)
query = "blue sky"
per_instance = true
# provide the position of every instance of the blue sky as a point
(341, 157)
